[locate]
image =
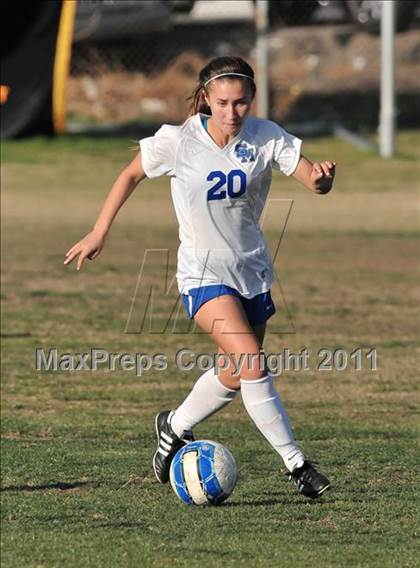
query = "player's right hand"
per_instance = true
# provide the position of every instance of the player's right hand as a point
(89, 247)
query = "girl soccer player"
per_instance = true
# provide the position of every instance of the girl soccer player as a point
(220, 162)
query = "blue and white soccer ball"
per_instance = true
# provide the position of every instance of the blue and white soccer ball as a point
(203, 473)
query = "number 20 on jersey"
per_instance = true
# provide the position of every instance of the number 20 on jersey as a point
(231, 185)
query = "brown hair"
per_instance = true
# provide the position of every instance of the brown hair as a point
(218, 66)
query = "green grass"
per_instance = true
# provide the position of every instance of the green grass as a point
(77, 483)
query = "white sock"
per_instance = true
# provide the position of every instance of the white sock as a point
(267, 411)
(207, 397)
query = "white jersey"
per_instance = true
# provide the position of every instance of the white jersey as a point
(218, 195)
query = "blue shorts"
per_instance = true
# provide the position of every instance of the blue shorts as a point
(258, 309)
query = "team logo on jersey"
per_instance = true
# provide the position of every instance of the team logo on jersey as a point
(244, 152)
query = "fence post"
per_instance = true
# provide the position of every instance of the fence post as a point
(387, 104)
(261, 24)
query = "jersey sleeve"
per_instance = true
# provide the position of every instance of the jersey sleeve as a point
(286, 151)
(158, 152)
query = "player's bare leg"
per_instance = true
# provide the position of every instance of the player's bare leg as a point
(228, 376)
(225, 320)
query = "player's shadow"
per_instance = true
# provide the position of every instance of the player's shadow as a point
(69, 485)
(61, 485)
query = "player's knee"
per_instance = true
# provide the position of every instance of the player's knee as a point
(248, 366)
(253, 366)
(230, 380)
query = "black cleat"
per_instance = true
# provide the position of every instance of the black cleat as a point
(168, 444)
(309, 481)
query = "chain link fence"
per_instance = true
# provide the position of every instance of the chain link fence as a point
(137, 62)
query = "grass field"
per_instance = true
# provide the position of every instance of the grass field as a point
(77, 484)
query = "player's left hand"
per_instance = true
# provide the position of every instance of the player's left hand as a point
(322, 176)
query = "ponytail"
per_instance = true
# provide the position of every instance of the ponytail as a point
(198, 102)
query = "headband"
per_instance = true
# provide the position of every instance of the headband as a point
(225, 75)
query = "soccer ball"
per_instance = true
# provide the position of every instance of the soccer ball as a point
(203, 473)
